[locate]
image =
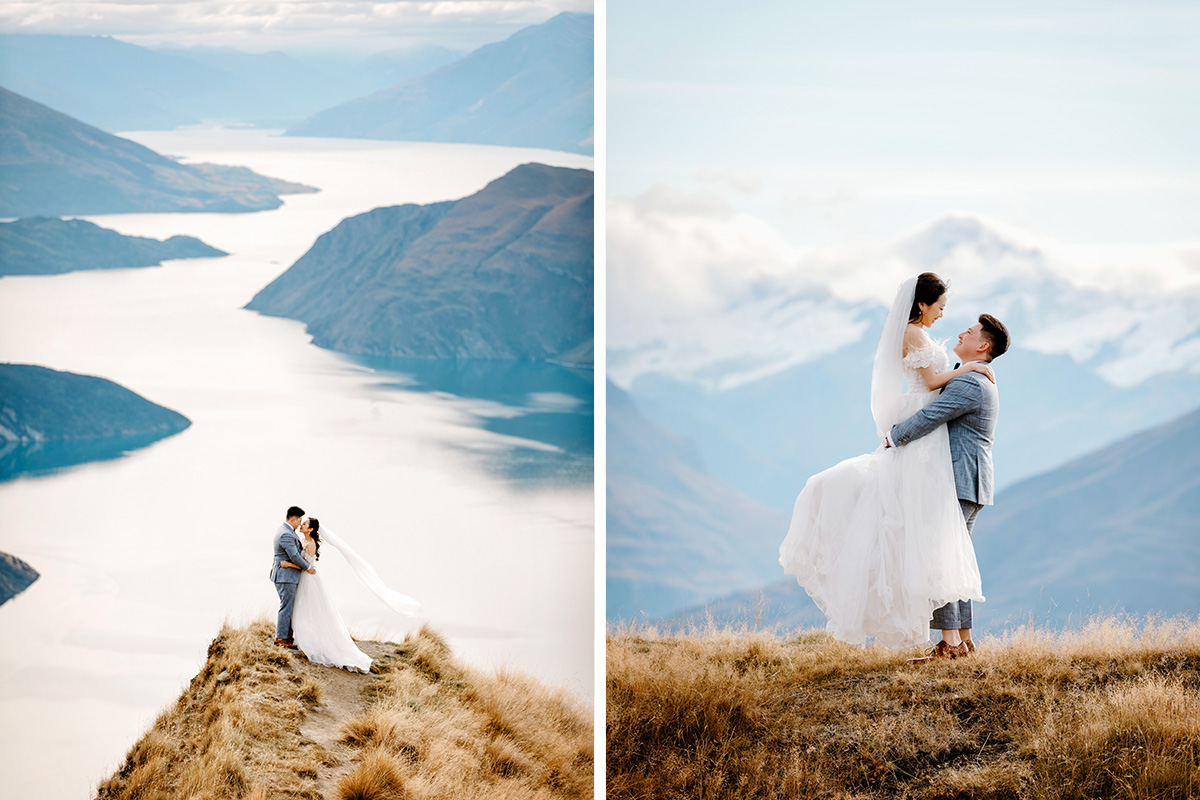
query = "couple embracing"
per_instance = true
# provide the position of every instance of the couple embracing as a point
(882, 542)
(308, 620)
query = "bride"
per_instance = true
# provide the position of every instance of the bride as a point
(878, 541)
(317, 626)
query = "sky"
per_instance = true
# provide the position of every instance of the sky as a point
(838, 122)
(361, 26)
(759, 155)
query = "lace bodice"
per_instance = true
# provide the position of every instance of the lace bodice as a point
(931, 355)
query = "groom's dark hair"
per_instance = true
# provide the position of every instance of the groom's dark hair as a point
(993, 330)
(295, 511)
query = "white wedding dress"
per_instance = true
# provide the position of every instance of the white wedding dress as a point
(317, 627)
(878, 541)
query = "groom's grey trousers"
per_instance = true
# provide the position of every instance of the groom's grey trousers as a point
(287, 602)
(956, 615)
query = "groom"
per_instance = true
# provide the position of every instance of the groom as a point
(288, 548)
(968, 406)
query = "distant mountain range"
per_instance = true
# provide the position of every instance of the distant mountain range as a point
(1117, 530)
(53, 165)
(534, 89)
(51, 419)
(48, 246)
(676, 536)
(1077, 376)
(503, 274)
(15, 577)
(117, 86)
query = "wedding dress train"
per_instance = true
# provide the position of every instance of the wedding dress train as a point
(317, 626)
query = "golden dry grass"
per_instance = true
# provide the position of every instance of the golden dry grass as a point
(441, 730)
(1109, 711)
(429, 728)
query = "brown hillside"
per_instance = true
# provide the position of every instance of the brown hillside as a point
(261, 722)
(1112, 711)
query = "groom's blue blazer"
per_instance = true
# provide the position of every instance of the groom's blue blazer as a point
(968, 407)
(287, 548)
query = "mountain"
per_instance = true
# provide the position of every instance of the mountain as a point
(15, 577)
(675, 535)
(47, 246)
(774, 386)
(118, 86)
(503, 274)
(1117, 529)
(51, 419)
(1113, 531)
(534, 89)
(53, 165)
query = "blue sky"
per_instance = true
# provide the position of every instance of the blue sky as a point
(838, 122)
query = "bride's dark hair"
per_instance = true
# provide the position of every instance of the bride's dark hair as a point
(314, 525)
(929, 288)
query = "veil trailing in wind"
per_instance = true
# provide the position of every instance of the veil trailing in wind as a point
(887, 375)
(370, 578)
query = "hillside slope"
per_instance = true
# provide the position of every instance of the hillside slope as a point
(534, 89)
(262, 722)
(48, 246)
(53, 165)
(505, 273)
(675, 535)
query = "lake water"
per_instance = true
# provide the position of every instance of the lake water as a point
(468, 485)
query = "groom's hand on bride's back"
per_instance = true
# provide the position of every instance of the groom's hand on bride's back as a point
(311, 570)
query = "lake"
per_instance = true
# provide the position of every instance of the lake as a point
(468, 485)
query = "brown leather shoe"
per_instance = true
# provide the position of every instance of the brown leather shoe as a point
(970, 646)
(285, 643)
(942, 649)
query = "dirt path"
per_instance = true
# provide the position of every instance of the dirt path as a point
(343, 697)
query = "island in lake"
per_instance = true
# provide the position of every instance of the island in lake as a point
(50, 246)
(15, 577)
(50, 420)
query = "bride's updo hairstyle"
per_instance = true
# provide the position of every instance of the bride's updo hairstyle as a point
(929, 288)
(314, 525)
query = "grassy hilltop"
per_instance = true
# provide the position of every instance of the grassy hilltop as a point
(1111, 711)
(260, 722)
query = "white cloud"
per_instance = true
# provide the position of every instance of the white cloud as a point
(719, 298)
(269, 24)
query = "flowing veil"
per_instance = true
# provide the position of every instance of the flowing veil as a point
(887, 375)
(370, 578)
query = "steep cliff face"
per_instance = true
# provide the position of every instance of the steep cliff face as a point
(54, 165)
(48, 246)
(506, 273)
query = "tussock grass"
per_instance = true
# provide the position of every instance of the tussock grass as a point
(429, 728)
(441, 730)
(1108, 711)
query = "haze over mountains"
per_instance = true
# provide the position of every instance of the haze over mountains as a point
(49, 246)
(506, 273)
(534, 89)
(1114, 531)
(53, 165)
(118, 86)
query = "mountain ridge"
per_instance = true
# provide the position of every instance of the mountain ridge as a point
(534, 89)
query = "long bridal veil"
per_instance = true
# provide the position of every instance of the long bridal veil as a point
(370, 578)
(887, 375)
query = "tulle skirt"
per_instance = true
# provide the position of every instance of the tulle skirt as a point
(318, 629)
(879, 541)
